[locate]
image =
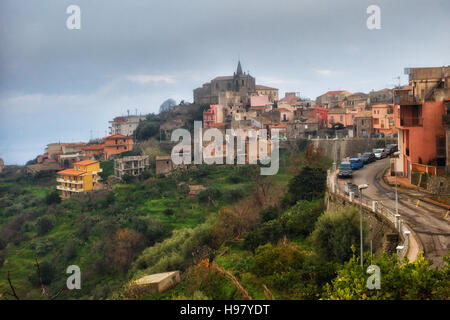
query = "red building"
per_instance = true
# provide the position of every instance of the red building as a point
(321, 114)
(210, 116)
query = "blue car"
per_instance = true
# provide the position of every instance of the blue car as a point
(356, 163)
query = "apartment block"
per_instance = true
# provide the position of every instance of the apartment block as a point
(133, 165)
(82, 178)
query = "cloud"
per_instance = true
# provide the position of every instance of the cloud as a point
(148, 78)
(324, 72)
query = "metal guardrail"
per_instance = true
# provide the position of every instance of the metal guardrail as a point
(378, 208)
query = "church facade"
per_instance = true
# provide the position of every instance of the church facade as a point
(240, 83)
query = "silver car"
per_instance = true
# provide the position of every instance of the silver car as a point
(380, 153)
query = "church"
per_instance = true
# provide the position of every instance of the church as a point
(240, 83)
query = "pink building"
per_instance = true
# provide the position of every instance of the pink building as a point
(210, 116)
(383, 118)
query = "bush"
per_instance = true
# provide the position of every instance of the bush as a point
(309, 184)
(47, 273)
(43, 225)
(174, 253)
(271, 231)
(301, 218)
(270, 213)
(53, 197)
(335, 234)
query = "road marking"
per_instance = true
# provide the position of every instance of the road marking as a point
(417, 204)
(446, 214)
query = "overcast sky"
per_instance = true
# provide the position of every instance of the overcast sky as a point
(58, 84)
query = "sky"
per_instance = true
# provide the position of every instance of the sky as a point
(58, 84)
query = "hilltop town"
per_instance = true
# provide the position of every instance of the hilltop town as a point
(363, 180)
(412, 115)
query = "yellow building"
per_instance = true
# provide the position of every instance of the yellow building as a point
(83, 177)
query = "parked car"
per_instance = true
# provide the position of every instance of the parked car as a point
(351, 187)
(391, 148)
(368, 157)
(356, 163)
(380, 153)
(345, 170)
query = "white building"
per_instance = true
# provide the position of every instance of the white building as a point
(125, 125)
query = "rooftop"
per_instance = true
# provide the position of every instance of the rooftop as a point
(154, 278)
(70, 172)
(261, 87)
(85, 162)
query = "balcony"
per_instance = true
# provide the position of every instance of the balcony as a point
(411, 122)
(69, 181)
(405, 97)
(62, 188)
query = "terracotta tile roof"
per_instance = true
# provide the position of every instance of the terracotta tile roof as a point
(261, 87)
(70, 172)
(334, 92)
(75, 144)
(93, 147)
(85, 162)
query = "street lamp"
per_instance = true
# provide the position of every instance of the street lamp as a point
(361, 187)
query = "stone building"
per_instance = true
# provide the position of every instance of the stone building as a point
(164, 164)
(363, 124)
(381, 96)
(302, 128)
(133, 165)
(332, 99)
(2, 165)
(272, 93)
(356, 99)
(241, 83)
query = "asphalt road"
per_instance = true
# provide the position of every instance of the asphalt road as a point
(427, 221)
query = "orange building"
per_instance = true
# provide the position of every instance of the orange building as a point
(93, 151)
(116, 143)
(419, 110)
(383, 118)
(83, 177)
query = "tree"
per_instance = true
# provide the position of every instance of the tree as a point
(43, 225)
(53, 197)
(335, 233)
(400, 280)
(309, 184)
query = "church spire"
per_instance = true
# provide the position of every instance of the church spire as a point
(239, 68)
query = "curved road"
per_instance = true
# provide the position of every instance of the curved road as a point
(427, 221)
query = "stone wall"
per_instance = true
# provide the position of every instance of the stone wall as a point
(350, 147)
(384, 237)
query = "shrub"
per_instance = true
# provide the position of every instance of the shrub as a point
(309, 184)
(53, 197)
(335, 233)
(43, 225)
(270, 231)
